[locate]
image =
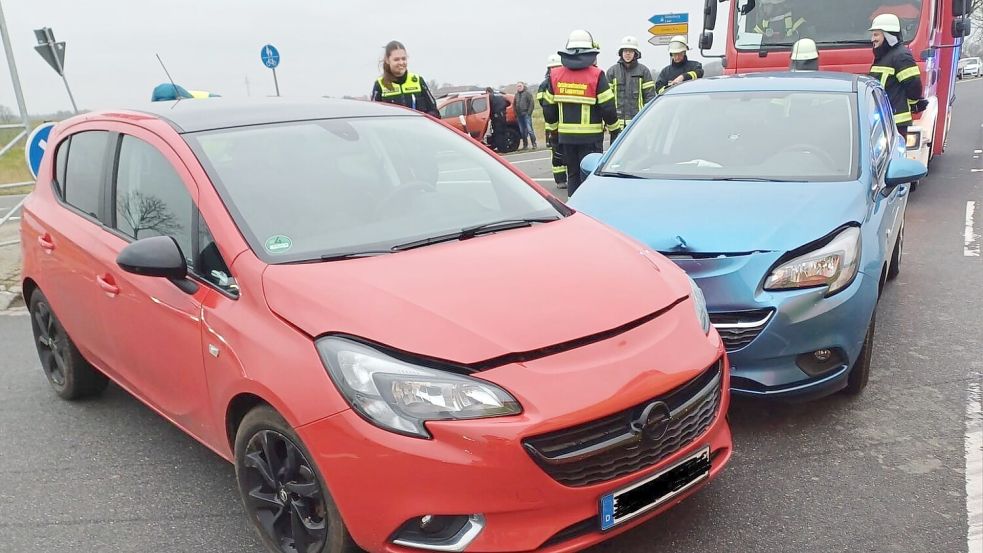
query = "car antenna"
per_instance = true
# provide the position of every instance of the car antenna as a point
(177, 95)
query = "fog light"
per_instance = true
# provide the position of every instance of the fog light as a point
(822, 354)
(821, 361)
(439, 532)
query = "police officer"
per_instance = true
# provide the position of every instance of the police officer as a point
(895, 68)
(579, 101)
(805, 56)
(399, 86)
(680, 67)
(631, 81)
(556, 156)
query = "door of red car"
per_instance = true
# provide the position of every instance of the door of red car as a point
(73, 260)
(453, 114)
(478, 115)
(156, 325)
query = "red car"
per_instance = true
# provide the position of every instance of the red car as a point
(399, 341)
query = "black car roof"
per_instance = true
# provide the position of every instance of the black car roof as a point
(194, 115)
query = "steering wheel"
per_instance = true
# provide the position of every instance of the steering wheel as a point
(809, 149)
(397, 197)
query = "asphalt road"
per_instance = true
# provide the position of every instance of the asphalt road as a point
(884, 473)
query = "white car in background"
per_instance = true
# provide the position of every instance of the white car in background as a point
(970, 67)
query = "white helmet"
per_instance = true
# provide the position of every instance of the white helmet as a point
(804, 49)
(553, 60)
(629, 43)
(887, 22)
(678, 45)
(581, 40)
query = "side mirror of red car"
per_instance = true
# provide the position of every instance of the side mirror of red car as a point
(157, 256)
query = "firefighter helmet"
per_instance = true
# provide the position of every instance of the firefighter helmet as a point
(804, 49)
(553, 60)
(887, 22)
(581, 40)
(678, 45)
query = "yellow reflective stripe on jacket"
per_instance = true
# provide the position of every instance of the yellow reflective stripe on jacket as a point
(548, 97)
(563, 99)
(794, 26)
(578, 128)
(661, 90)
(614, 87)
(551, 126)
(908, 73)
(617, 126)
(557, 169)
(605, 96)
(900, 118)
(693, 76)
(885, 72)
(648, 84)
(539, 96)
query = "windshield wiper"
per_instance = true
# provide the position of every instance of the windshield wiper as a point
(472, 231)
(353, 255)
(754, 179)
(857, 41)
(621, 174)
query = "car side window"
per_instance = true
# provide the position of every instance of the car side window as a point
(84, 171)
(150, 198)
(209, 264)
(453, 109)
(479, 105)
(61, 162)
(879, 144)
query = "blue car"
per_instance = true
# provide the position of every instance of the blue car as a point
(783, 196)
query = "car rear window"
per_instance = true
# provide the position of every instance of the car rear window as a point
(85, 171)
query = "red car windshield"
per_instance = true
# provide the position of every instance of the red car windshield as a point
(842, 22)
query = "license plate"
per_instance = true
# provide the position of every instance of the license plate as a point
(647, 494)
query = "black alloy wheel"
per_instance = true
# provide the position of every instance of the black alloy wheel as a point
(282, 493)
(69, 374)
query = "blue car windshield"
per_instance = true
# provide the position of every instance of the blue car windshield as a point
(774, 135)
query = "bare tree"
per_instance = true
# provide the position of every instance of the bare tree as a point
(146, 212)
(6, 114)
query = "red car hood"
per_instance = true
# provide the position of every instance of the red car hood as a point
(469, 301)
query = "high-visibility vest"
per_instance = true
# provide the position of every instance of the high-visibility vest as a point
(790, 26)
(411, 86)
(577, 87)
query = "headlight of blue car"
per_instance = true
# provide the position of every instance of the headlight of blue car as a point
(700, 304)
(834, 265)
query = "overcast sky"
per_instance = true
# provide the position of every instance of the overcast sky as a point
(326, 47)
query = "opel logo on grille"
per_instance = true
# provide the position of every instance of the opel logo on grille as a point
(653, 422)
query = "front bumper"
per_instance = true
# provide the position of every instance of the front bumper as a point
(803, 322)
(380, 480)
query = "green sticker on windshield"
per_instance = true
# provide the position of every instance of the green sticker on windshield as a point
(278, 243)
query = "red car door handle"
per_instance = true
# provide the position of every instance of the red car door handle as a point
(45, 242)
(105, 282)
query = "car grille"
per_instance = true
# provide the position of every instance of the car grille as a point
(740, 328)
(611, 447)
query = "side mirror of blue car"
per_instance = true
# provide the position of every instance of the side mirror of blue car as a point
(590, 163)
(903, 170)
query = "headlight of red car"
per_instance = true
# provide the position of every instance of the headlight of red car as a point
(400, 396)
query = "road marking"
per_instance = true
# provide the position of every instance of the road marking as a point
(978, 151)
(544, 180)
(974, 467)
(971, 247)
(976, 170)
(528, 160)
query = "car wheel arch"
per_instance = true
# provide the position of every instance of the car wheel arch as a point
(28, 287)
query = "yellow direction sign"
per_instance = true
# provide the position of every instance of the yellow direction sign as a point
(669, 29)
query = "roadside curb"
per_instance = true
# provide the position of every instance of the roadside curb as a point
(10, 297)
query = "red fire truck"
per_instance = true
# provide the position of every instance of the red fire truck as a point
(760, 34)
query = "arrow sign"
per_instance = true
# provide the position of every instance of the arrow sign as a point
(270, 56)
(665, 18)
(660, 40)
(52, 52)
(37, 144)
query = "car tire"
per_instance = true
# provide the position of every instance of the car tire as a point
(512, 140)
(70, 375)
(894, 268)
(860, 372)
(291, 497)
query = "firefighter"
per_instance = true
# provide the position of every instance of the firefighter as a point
(895, 68)
(778, 24)
(680, 67)
(556, 156)
(579, 101)
(399, 86)
(805, 56)
(631, 82)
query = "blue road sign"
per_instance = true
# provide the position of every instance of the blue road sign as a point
(270, 56)
(664, 18)
(37, 143)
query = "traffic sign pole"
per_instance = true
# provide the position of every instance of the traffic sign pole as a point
(270, 57)
(276, 84)
(13, 76)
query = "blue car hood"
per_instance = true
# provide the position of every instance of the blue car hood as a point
(721, 216)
